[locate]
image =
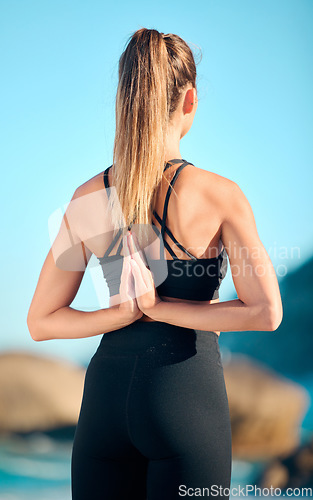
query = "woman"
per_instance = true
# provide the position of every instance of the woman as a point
(154, 421)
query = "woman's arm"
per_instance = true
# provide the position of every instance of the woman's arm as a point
(50, 315)
(232, 315)
(258, 306)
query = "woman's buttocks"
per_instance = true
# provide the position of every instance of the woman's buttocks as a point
(165, 387)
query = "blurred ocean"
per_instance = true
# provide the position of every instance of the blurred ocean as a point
(37, 467)
(34, 467)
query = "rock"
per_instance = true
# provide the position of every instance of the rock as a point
(38, 393)
(266, 409)
(297, 467)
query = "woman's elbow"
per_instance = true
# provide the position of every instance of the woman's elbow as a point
(273, 316)
(33, 329)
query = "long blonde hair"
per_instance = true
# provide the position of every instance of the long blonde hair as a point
(153, 70)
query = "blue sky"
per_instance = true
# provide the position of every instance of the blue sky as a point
(58, 84)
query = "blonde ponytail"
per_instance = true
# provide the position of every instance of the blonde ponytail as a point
(153, 69)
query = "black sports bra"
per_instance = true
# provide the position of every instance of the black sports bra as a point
(193, 279)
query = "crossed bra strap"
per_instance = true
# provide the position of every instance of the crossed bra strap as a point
(162, 221)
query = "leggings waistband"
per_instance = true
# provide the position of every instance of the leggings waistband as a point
(155, 337)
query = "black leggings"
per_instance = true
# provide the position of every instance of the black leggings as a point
(154, 422)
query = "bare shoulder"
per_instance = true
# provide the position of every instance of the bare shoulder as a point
(211, 189)
(209, 179)
(221, 196)
(93, 184)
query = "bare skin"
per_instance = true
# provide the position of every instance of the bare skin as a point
(209, 212)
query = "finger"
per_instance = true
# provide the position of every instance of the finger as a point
(140, 285)
(130, 283)
(130, 243)
(147, 277)
(133, 247)
(126, 270)
(126, 282)
(125, 267)
(123, 283)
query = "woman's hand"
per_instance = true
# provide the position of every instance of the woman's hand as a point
(128, 307)
(145, 291)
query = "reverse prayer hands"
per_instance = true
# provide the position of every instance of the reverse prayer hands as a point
(128, 307)
(145, 292)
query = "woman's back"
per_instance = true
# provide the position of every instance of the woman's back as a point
(194, 216)
(191, 203)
